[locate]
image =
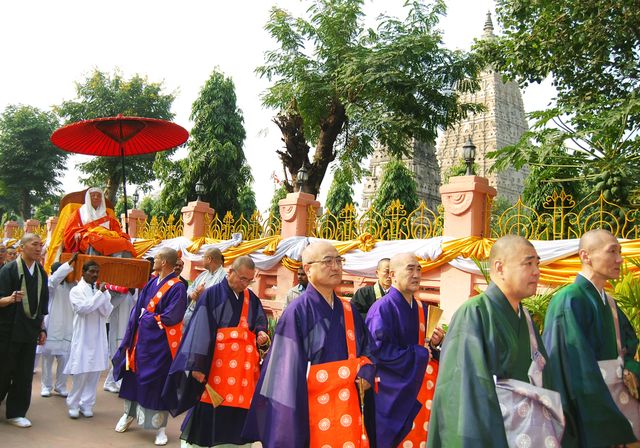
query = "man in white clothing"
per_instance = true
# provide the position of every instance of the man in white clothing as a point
(59, 325)
(213, 274)
(89, 347)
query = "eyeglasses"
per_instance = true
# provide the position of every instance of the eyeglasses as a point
(329, 261)
(243, 279)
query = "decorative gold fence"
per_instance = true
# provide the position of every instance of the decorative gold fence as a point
(561, 217)
(251, 229)
(161, 228)
(394, 223)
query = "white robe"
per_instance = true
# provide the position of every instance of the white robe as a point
(119, 318)
(59, 321)
(89, 346)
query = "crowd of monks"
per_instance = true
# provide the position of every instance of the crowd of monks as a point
(337, 373)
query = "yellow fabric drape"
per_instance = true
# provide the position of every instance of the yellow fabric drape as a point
(199, 242)
(364, 242)
(246, 248)
(562, 272)
(144, 246)
(57, 236)
(291, 264)
(468, 247)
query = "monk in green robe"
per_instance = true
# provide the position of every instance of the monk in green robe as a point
(488, 337)
(578, 332)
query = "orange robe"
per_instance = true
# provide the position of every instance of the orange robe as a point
(106, 241)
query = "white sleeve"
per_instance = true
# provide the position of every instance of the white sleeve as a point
(56, 278)
(85, 304)
(106, 307)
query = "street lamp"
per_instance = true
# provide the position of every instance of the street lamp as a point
(199, 189)
(136, 196)
(469, 154)
(302, 177)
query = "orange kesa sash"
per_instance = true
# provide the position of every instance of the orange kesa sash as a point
(419, 430)
(334, 409)
(173, 332)
(234, 368)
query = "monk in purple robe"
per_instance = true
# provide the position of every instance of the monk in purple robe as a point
(402, 361)
(310, 332)
(145, 355)
(225, 310)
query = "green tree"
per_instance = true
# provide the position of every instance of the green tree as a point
(398, 182)
(340, 192)
(30, 165)
(46, 209)
(339, 86)
(591, 48)
(215, 153)
(591, 151)
(105, 95)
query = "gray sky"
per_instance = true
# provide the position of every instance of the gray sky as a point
(49, 45)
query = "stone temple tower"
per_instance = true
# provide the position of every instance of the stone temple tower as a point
(502, 124)
(421, 162)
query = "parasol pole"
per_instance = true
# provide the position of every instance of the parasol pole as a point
(124, 180)
(124, 190)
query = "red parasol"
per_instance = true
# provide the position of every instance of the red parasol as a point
(119, 136)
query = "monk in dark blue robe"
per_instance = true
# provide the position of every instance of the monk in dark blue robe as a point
(402, 361)
(152, 358)
(220, 307)
(310, 332)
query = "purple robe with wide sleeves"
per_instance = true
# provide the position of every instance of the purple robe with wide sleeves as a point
(393, 324)
(153, 357)
(218, 307)
(309, 331)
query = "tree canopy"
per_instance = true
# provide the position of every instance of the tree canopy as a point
(587, 142)
(340, 86)
(398, 182)
(592, 49)
(340, 192)
(30, 165)
(106, 95)
(592, 151)
(216, 157)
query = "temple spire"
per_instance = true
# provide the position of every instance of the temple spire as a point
(488, 26)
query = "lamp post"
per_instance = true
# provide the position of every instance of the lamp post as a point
(199, 189)
(469, 154)
(136, 197)
(302, 177)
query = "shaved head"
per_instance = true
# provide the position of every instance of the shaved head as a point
(595, 238)
(601, 256)
(312, 251)
(514, 268)
(506, 246)
(399, 261)
(323, 266)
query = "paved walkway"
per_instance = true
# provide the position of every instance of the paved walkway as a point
(52, 428)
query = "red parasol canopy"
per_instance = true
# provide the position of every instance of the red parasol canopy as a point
(119, 136)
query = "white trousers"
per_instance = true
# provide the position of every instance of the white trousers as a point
(84, 390)
(47, 372)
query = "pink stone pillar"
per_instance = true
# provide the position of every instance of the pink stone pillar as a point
(294, 210)
(194, 221)
(137, 218)
(31, 225)
(467, 213)
(10, 229)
